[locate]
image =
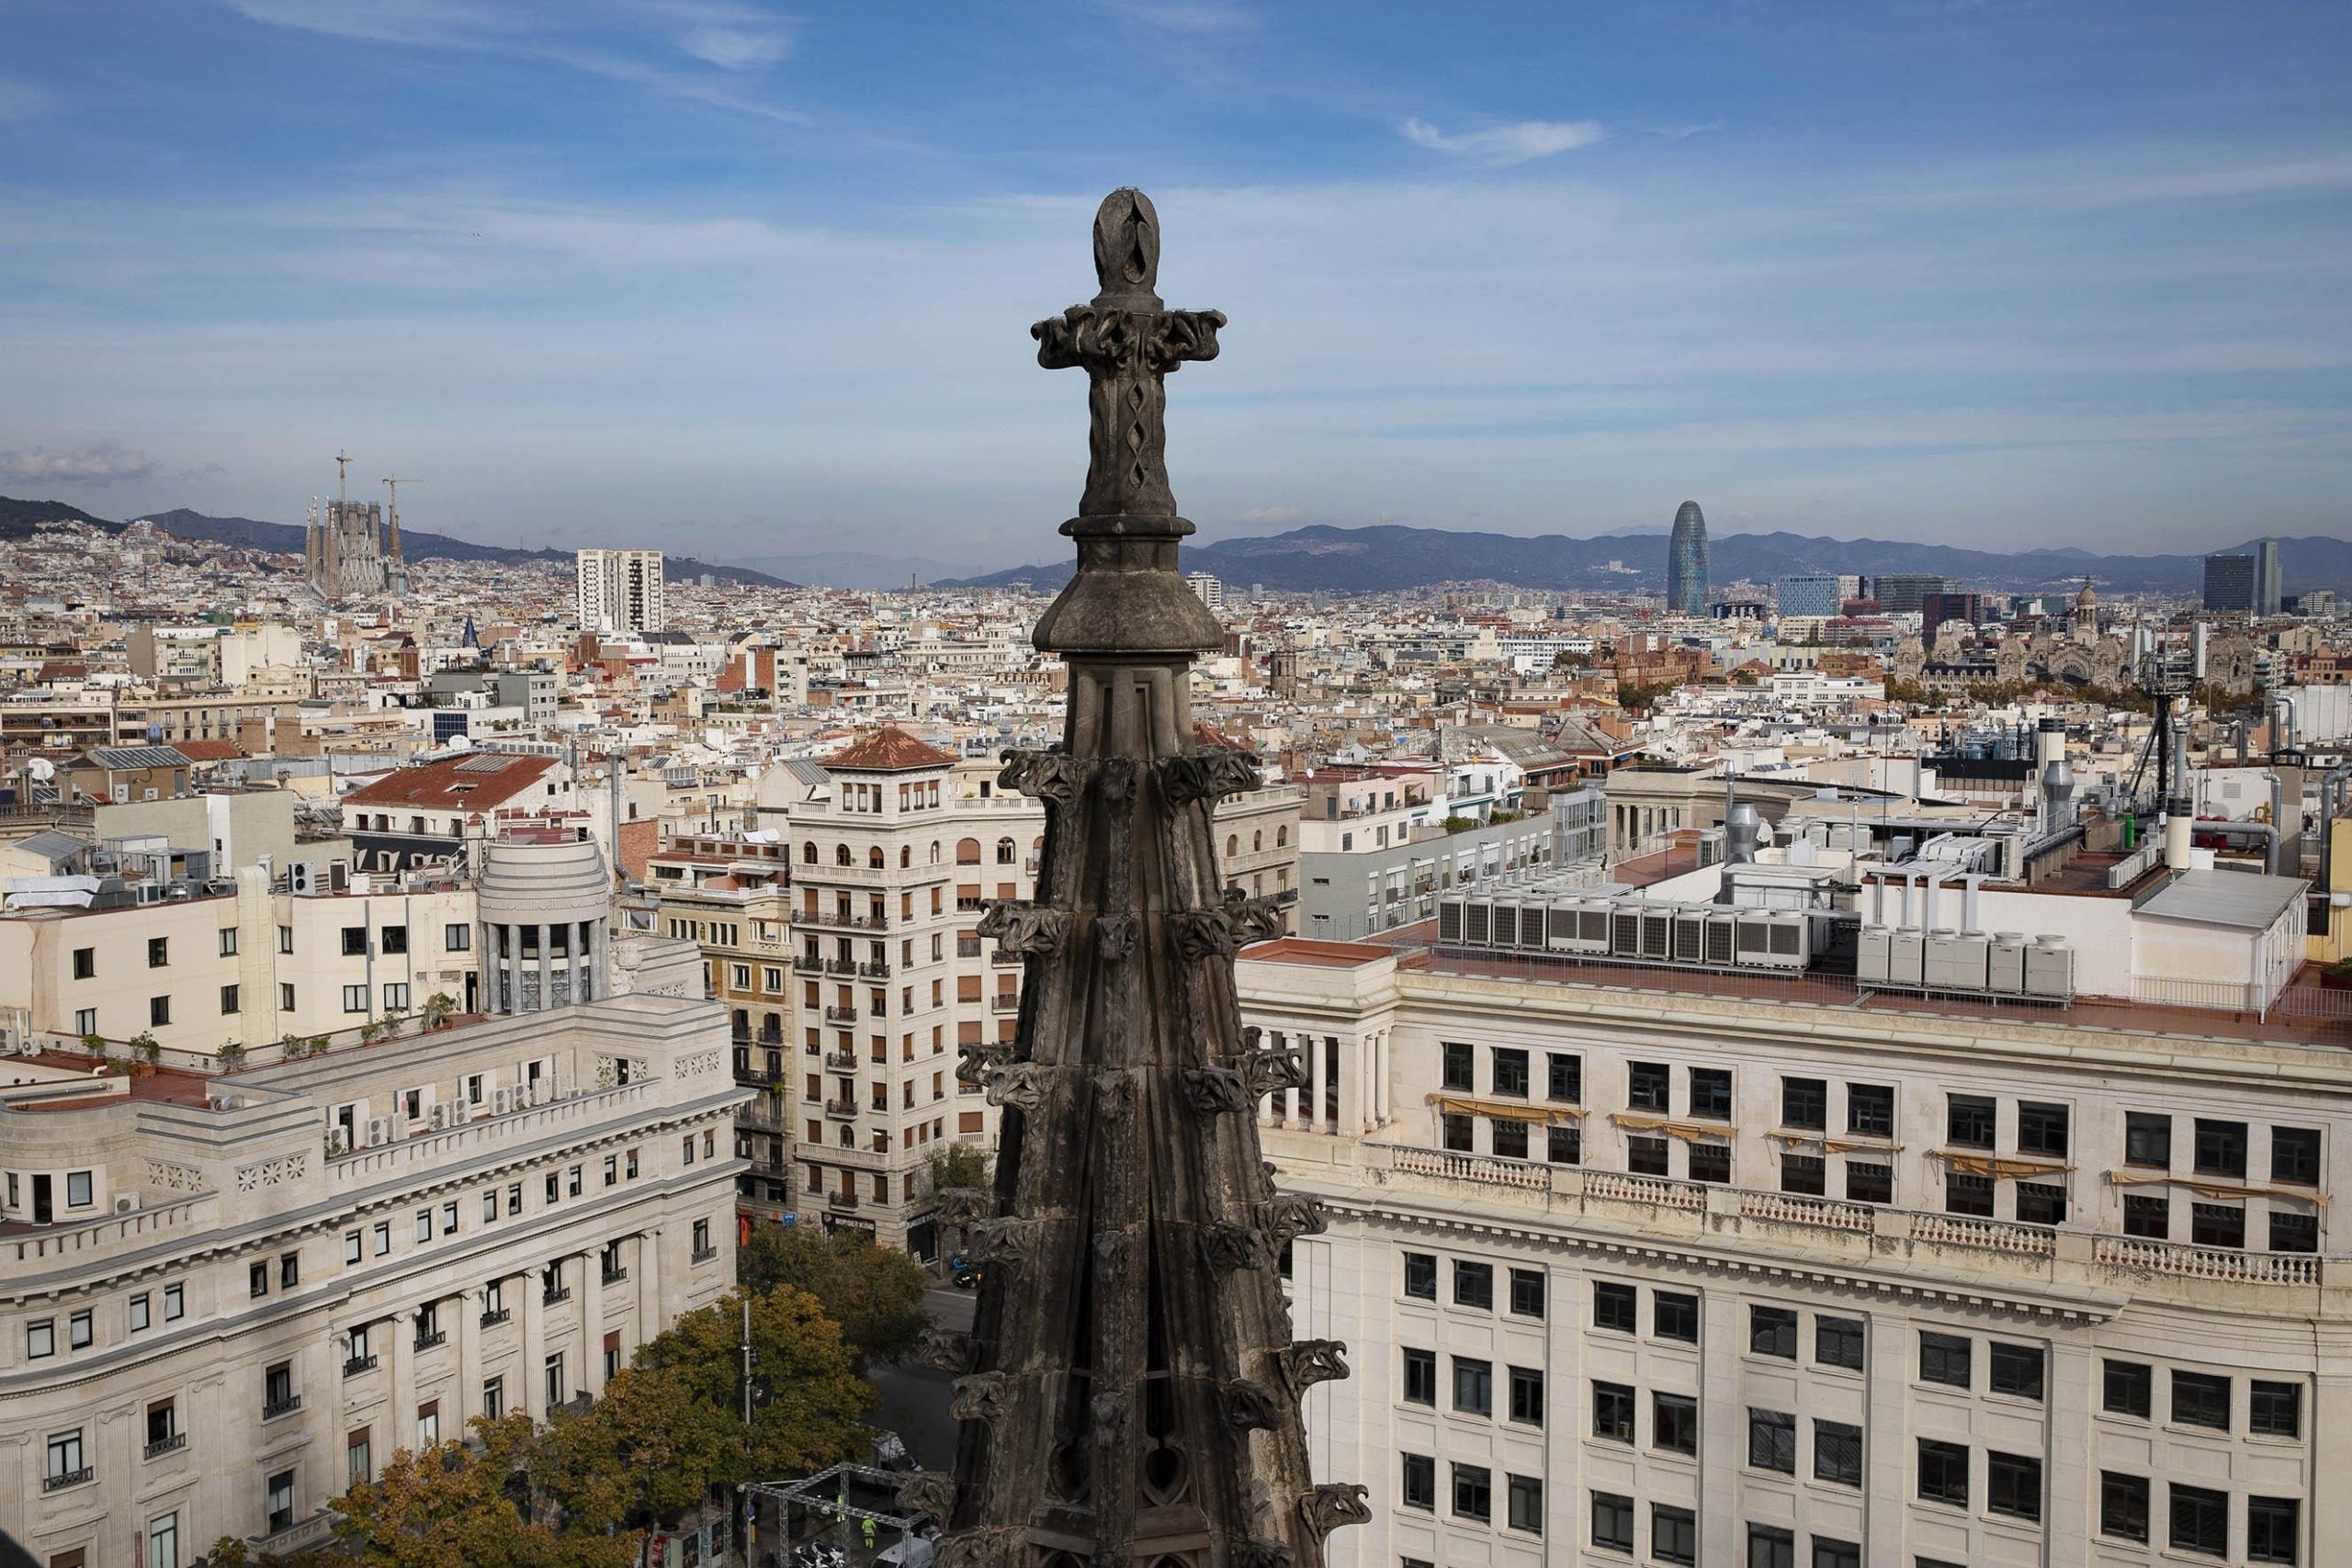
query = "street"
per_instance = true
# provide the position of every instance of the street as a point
(914, 1398)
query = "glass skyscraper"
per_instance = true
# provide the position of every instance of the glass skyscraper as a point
(1686, 562)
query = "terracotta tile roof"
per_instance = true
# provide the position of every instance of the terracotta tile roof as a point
(465, 782)
(1208, 737)
(208, 750)
(888, 751)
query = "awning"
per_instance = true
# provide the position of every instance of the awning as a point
(2206, 1188)
(1507, 1111)
(1835, 1145)
(2000, 1169)
(1689, 1131)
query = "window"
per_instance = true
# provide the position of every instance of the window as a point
(1564, 1145)
(65, 1462)
(612, 1170)
(2217, 1225)
(1612, 1522)
(1474, 1285)
(1474, 1386)
(1943, 1472)
(2013, 1485)
(2274, 1409)
(1838, 1453)
(1868, 1183)
(490, 1207)
(457, 937)
(1613, 1412)
(1564, 1076)
(1457, 1133)
(1674, 1316)
(1527, 1395)
(357, 1469)
(1711, 1162)
(2014, 1370)
(2273, 1529)
(1711, 1093)
(2042, 1128)
(1646, 1157)
(1421, 1276)
(2220, 1149)
(289, 1264)
(354, 998)
(1473, 1493)
(1804, 1102)
(285, 939)
(139, 1311)
(229, 1003)
(2294, 1156)
(1420, 1482)
(1772, 1331)
(280, 1490)
(1772, 1440)
(1509, 1138)
(85, 1021)
(393, 938)
(1455, 1067)
(1420, 1376)
(1829, 1553)
(159, 951)
(2293, 1233)
(396, 995)
(449, 1218)
(494, 1397)
(2199, 1400)
(2041, 1203)
(1646, 1086)
(1673, 1423)
(86, 963)
(1805, 1175)
(159, 1011)
(1525, 1495)
(41, 1338)
(286, 996)
(2128, 1389)
(1615, 1307)
(2147, 1216)
(2123, 1505)
(1968, 1121)
(78, 1189)
(1945, 1358)
(1838, 1342)
(1966, 1194)
(1869, 1110)
(2200, 1520)
(175, 1304)
(1527, 1292)
(257, 1277)
(1674, 1534)
(1770, 1546)
(2147, 1139)
(355, 941)
(554, 1372)
(1509, 1070)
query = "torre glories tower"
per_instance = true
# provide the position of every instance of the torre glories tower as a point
(1686, 562)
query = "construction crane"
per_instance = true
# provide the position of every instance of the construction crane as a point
(342, 470)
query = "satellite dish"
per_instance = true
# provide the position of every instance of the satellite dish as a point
(41, 770)
(461, 742)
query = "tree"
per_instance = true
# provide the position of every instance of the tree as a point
(960, 1165)
(642, 1455)
(809, 1405)
(875, 1293)
(454, 1506)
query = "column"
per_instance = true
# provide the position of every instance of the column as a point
(1388, 1108)
(547, 969)
(1316, 1057)
(1286, 1100)
(465, 1352)
(592, 1323)
(1351, 1085)
(649, 1285)
(2073, 1487)
(534, 1399)
(1720, 1440)
(1887, 1438)
(400, 1377)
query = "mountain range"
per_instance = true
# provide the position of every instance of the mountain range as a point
(1392, 558)
(17, 519)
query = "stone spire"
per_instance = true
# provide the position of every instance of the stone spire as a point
(1130, 1392)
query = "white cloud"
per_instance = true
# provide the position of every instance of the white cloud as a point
(22, 100)
(1273, 515)
(98, 463)
(735, 48)
(1505, 144)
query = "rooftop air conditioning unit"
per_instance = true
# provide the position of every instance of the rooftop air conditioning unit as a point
(380, 1131)
(338, 1139)
(1655, 932)
(2008, 962)
(1875, 955)
(1505, 930)
(302, 877)
(1722, 939)
(502, 1101)
(1906, 957)
(1475, 924)
(440, 1117)
(126, 1202)
(2050, 967)
(1449, 921)
(1691, 937)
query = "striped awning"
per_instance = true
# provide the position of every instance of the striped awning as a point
(1689, 1131)
(1973, 1163)
(2204, 1187)
(1507, 1111)
(1829, 1145)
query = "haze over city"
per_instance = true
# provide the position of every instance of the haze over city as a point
(755, 281)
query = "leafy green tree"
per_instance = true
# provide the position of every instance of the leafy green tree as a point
(455, 1505)
(875, 1293)
(808, 1402)
(642, 1455)
(961, 1165)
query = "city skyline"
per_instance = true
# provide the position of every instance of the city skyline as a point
(638, 267)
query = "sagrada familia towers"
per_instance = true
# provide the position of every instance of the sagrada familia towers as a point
(1130, 1391)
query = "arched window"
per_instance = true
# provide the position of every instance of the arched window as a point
(841, 854)
(1004, 851)
(808, 853)
(934, 851)
(1281, 837)
(874, 857)
(906, 856)
(1257, 841)
(1232, 844)
(968, 851)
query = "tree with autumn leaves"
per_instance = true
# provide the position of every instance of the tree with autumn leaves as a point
(580, 1491)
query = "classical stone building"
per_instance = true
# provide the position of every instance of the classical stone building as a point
(225, 1297)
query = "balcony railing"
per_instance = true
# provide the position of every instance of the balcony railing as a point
(802, 964)
(1002, 959)
(615, 1276)
(159, 1447)
(272, 1409)
(841, 1061)
(841, 1015)
(704, 1254)
(355, 1365)
(838, 1199)
(840, 966)
(492, 1319)
(834, 920)
(1005, 1002)
(65, 1478)
(556, 1297)
(844, 1108)
(427, 1341)
(875, 971)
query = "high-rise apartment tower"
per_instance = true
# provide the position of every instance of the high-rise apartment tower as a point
(621, 590)
(1686, 562)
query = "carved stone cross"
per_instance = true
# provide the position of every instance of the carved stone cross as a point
(1128, 343)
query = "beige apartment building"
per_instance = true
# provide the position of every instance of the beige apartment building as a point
(223, 1299)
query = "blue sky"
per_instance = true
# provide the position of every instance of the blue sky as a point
(741, 279)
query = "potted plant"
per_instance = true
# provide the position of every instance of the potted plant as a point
(145, 1054)
(370, 1030)
(2336, 976)
(393, 1017)
(231, 1056)
(438, 1008)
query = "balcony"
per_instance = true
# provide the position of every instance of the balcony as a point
(844, 1200)
(1005, 1002)
(492, 1319)
(65, 1478)
(428, 1341)
(970, 905)
(841, 1015)
(556, 1297)
(757, 1076)
(840, 966)
(841, 1061)
(163, 1445)
(1005, 960)
(844, 1110)
(271, 1409)
(835, 920)
(355, 1365)
(875, 971)
(803, 964)
(613, 1275)
(704, 1254)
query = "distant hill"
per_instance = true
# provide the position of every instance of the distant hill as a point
(17, 517)
(853, 569)
(1391, 558)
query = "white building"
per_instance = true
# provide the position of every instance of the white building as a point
(1210, 590)
(619, 590)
